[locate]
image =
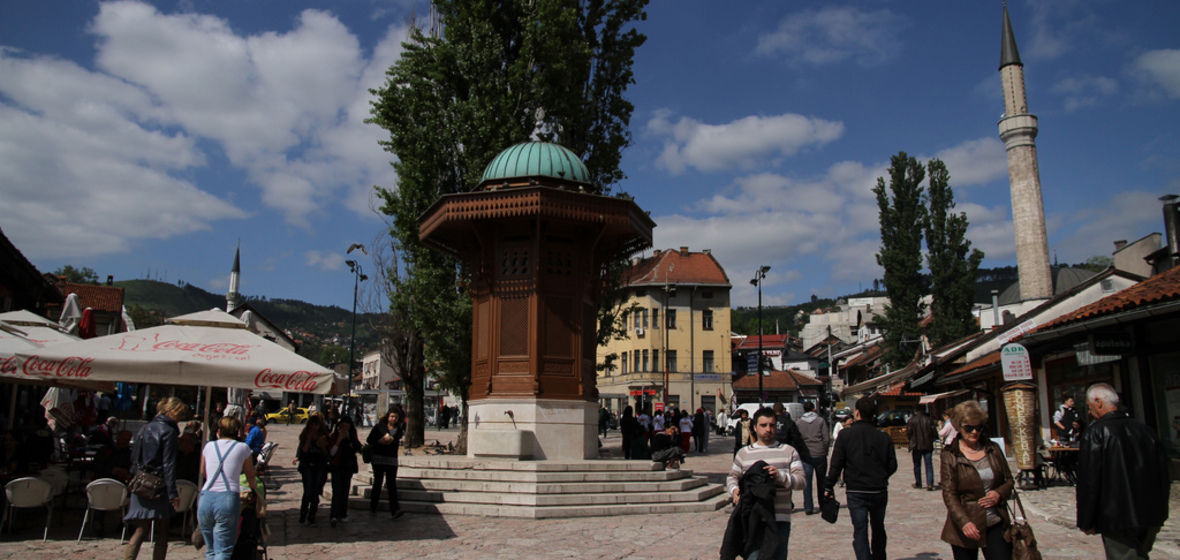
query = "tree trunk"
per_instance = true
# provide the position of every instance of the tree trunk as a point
(461, 441)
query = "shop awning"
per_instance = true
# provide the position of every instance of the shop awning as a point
(931, 398)
(880, 381)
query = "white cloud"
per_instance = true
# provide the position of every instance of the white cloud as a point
(1060, 27)
(323, 260)
(1092, 231)
(975, 162)
(1162, 69)
(835, 34)
(95, 160)
(1085, 91)
(745, 143)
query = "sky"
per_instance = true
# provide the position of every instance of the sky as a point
(149, 139)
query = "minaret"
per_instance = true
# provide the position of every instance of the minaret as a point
(231, 297)
(1018, 130)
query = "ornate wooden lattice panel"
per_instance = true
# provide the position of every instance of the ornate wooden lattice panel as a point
(514, 326)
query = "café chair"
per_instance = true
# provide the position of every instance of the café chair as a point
(28, 492)
(105, 494)
(188, 497)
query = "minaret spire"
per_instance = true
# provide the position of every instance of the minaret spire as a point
(1018, 130)
(231, 297)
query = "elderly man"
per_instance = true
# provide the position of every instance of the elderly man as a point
(1123, 481)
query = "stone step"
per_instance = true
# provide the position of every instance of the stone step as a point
(589, 465)
(620, 486)
(551, 512)
(541, 477)
(550, 500)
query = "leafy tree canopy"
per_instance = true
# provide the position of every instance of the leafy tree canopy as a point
(84, 275)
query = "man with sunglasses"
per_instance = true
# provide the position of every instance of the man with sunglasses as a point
(866, 457)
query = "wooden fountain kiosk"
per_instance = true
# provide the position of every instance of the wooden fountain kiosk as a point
(537, 237)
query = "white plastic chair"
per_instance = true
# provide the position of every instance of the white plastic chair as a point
(188, 496)
(29, 492)
(105, 494)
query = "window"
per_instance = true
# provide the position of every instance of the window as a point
(671, 356)
(707, 362)
(671, 314)
(645, 318)
(655, 360)
(707, 319)
(635, 362)
(625, 362)
(637, 323)
(655, 318)
(645, 361)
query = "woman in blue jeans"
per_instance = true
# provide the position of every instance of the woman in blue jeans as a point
(225, 459)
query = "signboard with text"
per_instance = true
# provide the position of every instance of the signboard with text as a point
(1016, 363)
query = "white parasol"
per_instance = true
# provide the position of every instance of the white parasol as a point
(24, 318)
(71, 314)
(209, 348)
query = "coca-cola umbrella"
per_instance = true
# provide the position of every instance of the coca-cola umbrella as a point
(24, 338)
(209, 348)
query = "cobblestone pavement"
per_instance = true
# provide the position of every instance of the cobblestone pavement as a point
(914, 521)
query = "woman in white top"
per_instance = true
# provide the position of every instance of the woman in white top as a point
(225, 459)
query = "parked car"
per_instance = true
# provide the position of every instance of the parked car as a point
(283, 416)
(893, 422)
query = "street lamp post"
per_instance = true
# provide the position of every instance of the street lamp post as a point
(355, 268)
(759, 277)
(667, 305)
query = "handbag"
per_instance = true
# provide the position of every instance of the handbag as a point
(147, 482)
(198, 538)
(1020, 533)
(367, 453)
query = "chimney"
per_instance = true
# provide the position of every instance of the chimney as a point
(655, 252)
(1118, 245)
(110, 279)
(1171, 227)
(707, 251)
(684, 250)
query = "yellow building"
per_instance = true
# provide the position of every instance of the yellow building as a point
(678, 331)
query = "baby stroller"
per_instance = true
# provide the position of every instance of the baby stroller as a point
(262, 465)
(252, 531)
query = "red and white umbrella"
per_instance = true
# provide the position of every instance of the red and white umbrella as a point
(209, 348)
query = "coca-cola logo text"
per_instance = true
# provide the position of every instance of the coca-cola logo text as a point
(215, 348)
(73, 367)
(299, 381)
(8, 365)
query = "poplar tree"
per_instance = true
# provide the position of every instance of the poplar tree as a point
(902, 216)
(489, 75)
(953, 264)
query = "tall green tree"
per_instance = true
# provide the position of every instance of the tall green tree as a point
(492, 75)
(953, 264)
(902, 216)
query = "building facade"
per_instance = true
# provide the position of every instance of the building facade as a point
(676, 351)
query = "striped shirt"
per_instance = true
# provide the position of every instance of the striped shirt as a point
(780, 456)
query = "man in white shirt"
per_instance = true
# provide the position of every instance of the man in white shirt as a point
(784, 465)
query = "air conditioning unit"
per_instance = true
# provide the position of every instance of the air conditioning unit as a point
(639, 331)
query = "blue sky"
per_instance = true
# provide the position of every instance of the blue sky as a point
(140, 136)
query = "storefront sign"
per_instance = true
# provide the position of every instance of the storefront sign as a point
(708, 377)
(1015, 362)
(1111, 343)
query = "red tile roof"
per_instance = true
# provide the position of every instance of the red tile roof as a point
(980, 363)
(770, 341)
(896, 390)
(98, 298)
(789, 379)
(867, 356)
(1160, 288)
(687, 268)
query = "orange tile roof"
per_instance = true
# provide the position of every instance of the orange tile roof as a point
(687, 268)
(896, 390)
(98, 298)
(770, 341)
(980, 363)
(789, 379)
(1160, 288)
(866, 356)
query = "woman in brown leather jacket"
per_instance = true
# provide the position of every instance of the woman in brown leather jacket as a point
(976, 485)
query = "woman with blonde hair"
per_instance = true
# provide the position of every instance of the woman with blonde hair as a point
(224, 461)
(976, 485)
(156, 449)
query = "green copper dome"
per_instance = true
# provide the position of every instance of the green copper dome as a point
(533, 159)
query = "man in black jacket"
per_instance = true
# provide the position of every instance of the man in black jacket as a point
(866, 457)
(1123, 481)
